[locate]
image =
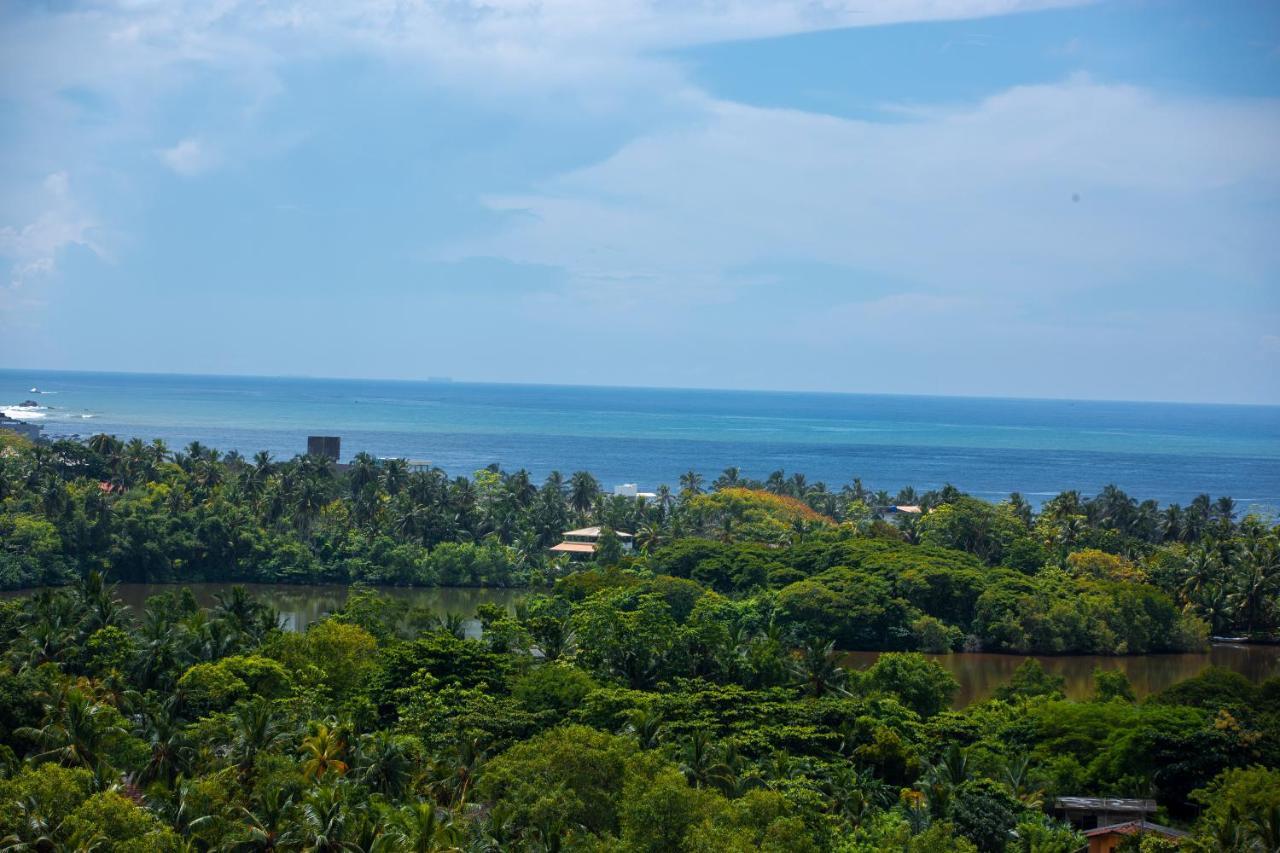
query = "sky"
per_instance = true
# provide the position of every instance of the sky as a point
(1030, 198)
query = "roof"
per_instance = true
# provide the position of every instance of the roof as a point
(574, 548)
(1104, 804)
(594, 533)
(1135, 827)
(908, 508)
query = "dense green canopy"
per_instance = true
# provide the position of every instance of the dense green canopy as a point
(689, 697)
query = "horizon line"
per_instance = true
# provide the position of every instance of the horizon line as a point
(448, 380)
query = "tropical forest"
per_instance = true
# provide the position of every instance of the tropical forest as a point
(683, 686)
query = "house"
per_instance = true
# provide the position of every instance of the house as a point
(631, 490)
(413, 466)
(896, 513)
(1088, 813)
(582, 543)
(1107, 839)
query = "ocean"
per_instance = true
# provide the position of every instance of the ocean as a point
(987, 447)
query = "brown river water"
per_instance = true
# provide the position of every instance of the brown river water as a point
(979, 673)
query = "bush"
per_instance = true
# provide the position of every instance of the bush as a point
(553, 687)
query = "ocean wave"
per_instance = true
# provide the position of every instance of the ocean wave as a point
(24, 413)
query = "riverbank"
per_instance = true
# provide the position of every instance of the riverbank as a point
(978, 673)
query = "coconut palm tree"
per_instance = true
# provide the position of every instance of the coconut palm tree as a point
(255, 730)
(325, 820)
(583, 491)
(815, 668)
(690, 484)
(730, 478)
(323, 752)
(269, 825)
(1254, 584)
(170, 749)
(424, 827)
(385, 763)
(75, 729)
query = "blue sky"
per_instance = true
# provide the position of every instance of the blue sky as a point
(987, 197)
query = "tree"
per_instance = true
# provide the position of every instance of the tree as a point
(816, 669)
(1111, 684)
(619, 635)
(77, 731)
(985, 813)
(921, 684)
(323, 752)
(565, 777)
(608, 547)
(109, 822)
(1031, 679)
(584, 489)
(340, 656)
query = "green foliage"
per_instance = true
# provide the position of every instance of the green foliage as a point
(109, 822)
(48, 793)
(1029, 680)
(689, 697)
(920, 684)
(336, 655)
(571, 776)
(553, 687)
(1109, 684)
(986, 813)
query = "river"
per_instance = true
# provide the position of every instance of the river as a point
(979, 673)
(300, 605)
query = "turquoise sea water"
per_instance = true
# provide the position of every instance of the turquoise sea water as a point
(987, 447)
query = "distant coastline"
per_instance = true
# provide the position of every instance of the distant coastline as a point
(989, 447)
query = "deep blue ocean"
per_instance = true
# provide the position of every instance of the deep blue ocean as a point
(987, 447)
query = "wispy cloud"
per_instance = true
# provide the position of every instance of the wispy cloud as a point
(190, 157)
(32, 249)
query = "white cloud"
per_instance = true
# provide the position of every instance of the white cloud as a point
(950, 199)
(495, 45)
(190, 157)
(33, 249)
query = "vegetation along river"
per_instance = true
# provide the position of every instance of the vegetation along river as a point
(979, 673)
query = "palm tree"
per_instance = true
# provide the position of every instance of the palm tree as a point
(451, 777)
(701, 763)
(323, 752)
(645, 726)
(255, 731)
(99, 603)
(395, 474)
(798, 486)
(75, 729)
(690, 483)
(324, 820)
(425, 828)
(1224, 511)
(269, 826)
(1255, 583)
(1202, 568)
(583, 490)
(385, 763)
(664, 499)
(1017, 775)
(647, 537)
(170, 749)
(731, 478)
(815, 667)
(1265, 829)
